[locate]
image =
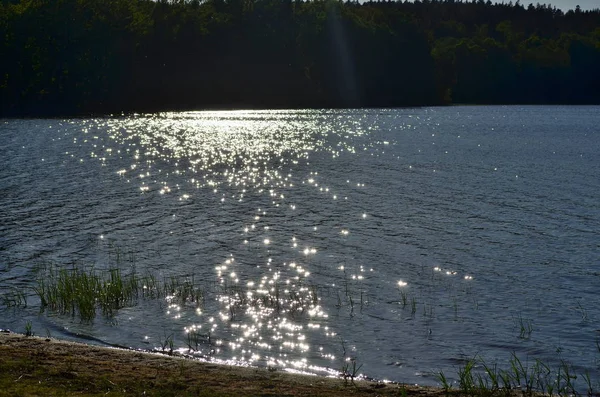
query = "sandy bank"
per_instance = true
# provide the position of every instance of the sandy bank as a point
(33, 366)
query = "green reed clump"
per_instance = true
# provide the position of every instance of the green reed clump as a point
(83, 290)
(79, 291)
(466, 378)
(117, 291)
(182, 290)
(149, 286)
(14, 298)
(403, 298)
(478, 378)
(441, 377)
(29, 329)
(68, 291)
(525, 327)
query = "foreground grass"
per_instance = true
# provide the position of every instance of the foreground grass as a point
(31, 366)
(479, 378)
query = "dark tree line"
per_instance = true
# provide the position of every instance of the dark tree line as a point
(63, 57)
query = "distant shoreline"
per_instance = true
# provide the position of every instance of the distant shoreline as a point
(233, 109)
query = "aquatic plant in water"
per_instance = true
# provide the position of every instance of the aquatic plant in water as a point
(14, 298)
(479, 378)
(81, 290)
(29, 329)
(350, 365)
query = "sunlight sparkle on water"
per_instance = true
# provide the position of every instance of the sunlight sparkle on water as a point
(245, 155)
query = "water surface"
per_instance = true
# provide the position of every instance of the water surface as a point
(408, 240)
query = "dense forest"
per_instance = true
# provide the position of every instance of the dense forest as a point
(66, 57)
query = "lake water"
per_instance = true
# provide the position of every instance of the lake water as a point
(409, 240)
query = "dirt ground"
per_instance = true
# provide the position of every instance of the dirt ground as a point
(33, 366)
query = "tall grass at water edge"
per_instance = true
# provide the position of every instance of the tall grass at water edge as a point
(14, 298)
(82, 291)
(480, 378)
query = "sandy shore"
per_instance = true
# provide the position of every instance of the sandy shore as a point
(33, 366)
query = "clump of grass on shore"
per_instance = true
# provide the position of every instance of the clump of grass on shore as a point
(82, 291)
(479, 378)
